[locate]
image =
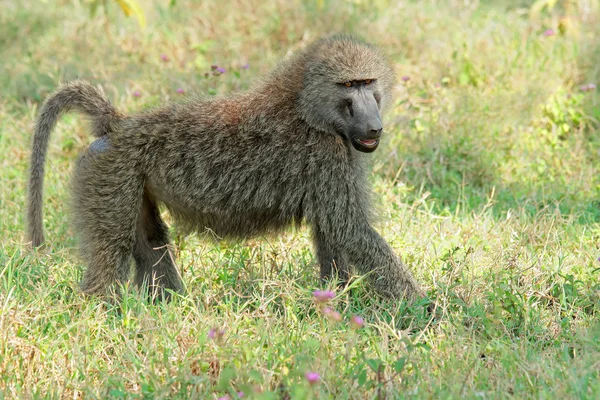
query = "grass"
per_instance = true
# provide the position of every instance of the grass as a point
(488, 185)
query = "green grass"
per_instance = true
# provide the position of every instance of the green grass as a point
(488, 185)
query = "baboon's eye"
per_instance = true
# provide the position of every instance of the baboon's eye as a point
(367, 81)
(347, 84)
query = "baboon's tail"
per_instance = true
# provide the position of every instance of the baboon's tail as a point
(77, 95)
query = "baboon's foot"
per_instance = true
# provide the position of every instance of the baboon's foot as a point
(111, 294)
(160, 289)
(406, 289)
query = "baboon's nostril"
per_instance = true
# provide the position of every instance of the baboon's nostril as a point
(374, 127)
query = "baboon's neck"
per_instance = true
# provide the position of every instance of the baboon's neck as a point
(278, 92)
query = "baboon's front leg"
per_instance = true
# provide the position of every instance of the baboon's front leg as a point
(152, 253)
(331, 260)
(342, 218)
(373, 255)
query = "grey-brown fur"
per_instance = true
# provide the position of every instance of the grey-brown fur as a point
(241, 165)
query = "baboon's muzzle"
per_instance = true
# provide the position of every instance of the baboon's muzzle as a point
(366, 126)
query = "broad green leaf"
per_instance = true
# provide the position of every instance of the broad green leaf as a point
(399, 364)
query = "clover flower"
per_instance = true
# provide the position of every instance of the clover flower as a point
(216, 334)
(312, 377)
(357, 322)
(587, 88)
(323, 296)
(331, 314)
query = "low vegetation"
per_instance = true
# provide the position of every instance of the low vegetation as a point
(488, 185)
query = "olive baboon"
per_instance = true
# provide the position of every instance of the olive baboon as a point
(291, 149)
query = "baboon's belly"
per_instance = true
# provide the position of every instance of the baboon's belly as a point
(241, 225)
(228, 218)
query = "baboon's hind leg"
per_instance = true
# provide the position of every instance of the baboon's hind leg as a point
(154, 264)
(107, 199)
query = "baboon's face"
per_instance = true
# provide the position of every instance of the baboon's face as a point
(346, 86)
(359, 108)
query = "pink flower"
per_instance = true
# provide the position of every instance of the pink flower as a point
(216, 334)
(137, 93)
(246, 66)
(357, 322)
(180, 91)
(405, 78)
(587, 88)
(312, 377)
(549, 32)
(332, 314)
(323, 296)
(217, 69)
(164, 57)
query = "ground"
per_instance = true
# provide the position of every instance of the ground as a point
(487, 184)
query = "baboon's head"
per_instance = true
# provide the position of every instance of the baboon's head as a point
(347, 84)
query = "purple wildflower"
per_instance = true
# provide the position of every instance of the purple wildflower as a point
(240, 394)
(587, 88)
(137, 93)
(226, 397)
(357, 322)
(216, 334)
(221, 70)
(332, 314)
(405, 78)
(180, 91)
(312, 377)
(549, 32)
(164, 57)
(323, 296)
(246, 66)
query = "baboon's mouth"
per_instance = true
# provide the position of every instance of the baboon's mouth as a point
(365, 145)
(369, 142)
